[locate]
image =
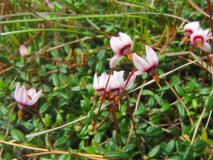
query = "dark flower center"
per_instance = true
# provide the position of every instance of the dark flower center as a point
(125, 50)
(188, 32)
(151, 71)
(198, 41)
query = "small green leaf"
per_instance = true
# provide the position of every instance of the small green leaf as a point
(60, 142)
(181, 110)
(17, 135)
(115, 155)
(170, 146)
(188, 155)
(154, 151)
(209, 102)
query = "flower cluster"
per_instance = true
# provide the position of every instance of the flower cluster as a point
(197, 36)
(111, 85)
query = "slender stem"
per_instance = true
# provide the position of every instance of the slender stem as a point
(43, 150)
(39, 30)
(133, 122)
(102, 122)
(207, 123)
(99, 108)
(40, 119)
(113, 111)
(131, 14)
(210, 15)
(179, 99)
(197, 125)
(44, 126)
(25, 69)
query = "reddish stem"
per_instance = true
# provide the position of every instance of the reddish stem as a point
(210, 15)
(113, 110)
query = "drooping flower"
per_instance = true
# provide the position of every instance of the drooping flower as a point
(121, 46)
(147, 64)
(199, 40)
(23, 50)
(190, 28)
(117, 84)
(26, 97)
(99, 83)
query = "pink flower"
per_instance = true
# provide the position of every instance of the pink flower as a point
(121, 46)
(199, 39)
(99, 83)
(191, 27)
(23, 50)
(117, 84)
(26, 97)
(49, 4)
(147, 64)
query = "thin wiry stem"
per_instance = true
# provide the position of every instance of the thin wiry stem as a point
(43, 150)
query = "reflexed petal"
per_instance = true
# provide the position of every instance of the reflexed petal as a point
(114, 60)
(121, 77)
(116, 44)
(130, 83)
(17, 90)
(151, 56)
(206, 47)
(206, 33)
(102, 81)
(125, 38)
(31, 92)
(34, 98)
(20, 94)
(138, 73)
(113, 83)
(193, 26)
(140, 63)
(95, 82)
(24, 99)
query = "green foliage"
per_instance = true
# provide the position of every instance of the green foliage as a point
(162, 127)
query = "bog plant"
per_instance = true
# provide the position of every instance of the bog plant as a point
(130, 85)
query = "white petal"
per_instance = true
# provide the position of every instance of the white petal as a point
(31, 92)
(193, 26)
(95, 82)
(113, 84)
(206, 47)
(20, 94)
(114, 60)
(125, 38)
(138, 73)
(24, 99)
(34, 98)
(119, 78)
(102, 81)
(116, 44)
(130, 83)
(151, 56)
(17, 90)
(206, 33)
(140, 63)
